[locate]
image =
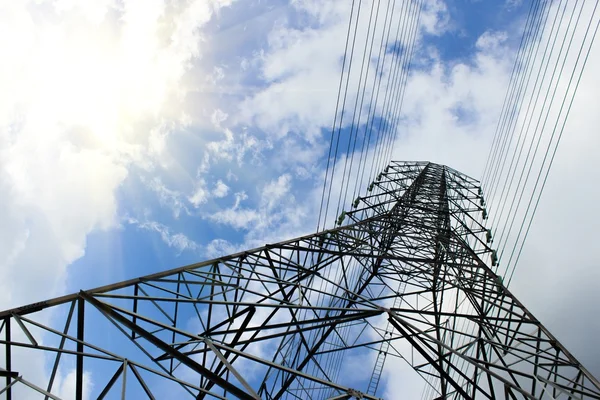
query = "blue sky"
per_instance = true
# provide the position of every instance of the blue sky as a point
(140, 137)
(157, 197)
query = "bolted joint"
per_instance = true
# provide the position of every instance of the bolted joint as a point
(384, 310)
(353, 393)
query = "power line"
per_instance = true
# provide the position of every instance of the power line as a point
(335, 116)
(506, 156)
(561, 130)
(341, 117)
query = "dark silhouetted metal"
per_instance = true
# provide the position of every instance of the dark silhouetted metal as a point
(406, 279)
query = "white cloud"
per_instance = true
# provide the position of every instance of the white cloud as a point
(249, 218)
(171, 199)
(218, 117)
(200, 194)
(65, 385)
(236, 216)
(223, 148)
(435, 18)
(300, 70)
(220, 190)
(90, 90)
(231, 176)
(300, 96)
(295, 101)
(234, 147)
(177, 241)
(219, 247)
(273, 191)
(275, 216)
(448, 108)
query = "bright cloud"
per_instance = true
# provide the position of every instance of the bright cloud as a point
(90, 90)
(221, 189)
(171, 198)
(66, 385)
(236, 216)
(177, 241)
(200, 194)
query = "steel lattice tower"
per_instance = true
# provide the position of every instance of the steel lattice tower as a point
(407, 275)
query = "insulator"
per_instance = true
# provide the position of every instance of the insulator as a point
(341, 218)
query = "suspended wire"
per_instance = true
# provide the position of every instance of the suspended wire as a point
(515, 100)
(515, 113)
(544, 61)
(405, 42)
(392, 80)
(357, 123)
(528, 124)
(345, 331)
(545, 120)
(388, 91)
(335, 115)
(337, 122)
(561, 130)
(366, 139)
(406, 70)
(348, 137)
(513, 87)
(341, 116)
(369, 125)
(513, 74)
(360, 134)
(529, 116)
(321, 299)
(388, 121)
(545, 106)
(354, 123)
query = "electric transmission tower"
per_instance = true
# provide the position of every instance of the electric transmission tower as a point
(407, 276)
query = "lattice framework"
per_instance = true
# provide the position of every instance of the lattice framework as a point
(405, 276)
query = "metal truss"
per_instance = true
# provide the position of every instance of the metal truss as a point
(406, 276)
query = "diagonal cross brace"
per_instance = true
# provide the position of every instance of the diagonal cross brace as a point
(187, 361)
